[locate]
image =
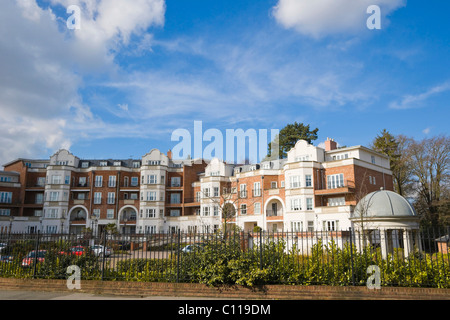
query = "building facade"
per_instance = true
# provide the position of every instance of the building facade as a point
(313, 189)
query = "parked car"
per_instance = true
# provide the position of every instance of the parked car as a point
(97, 250)
(28, 261)
(6, 259)
(2, 246)
(78, 250)
(192, 247)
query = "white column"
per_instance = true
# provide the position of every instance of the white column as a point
(383, 243)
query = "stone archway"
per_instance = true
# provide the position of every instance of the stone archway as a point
(127, 219)
(78, 219)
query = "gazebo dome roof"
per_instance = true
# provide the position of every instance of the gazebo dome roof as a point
(384, 203)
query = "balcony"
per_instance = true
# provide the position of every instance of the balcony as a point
(274, 210)
(78, 217)
(346, 186)
(273, 213)
(192, 202)
(81, 185)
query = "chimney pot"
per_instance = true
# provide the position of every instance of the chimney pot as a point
(330, 144)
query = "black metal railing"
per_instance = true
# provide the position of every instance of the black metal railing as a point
(403, 257)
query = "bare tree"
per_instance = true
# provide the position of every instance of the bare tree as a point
(362, 209)
(227, 202)
(431, 169)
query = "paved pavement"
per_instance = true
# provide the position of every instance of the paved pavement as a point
(34, 295)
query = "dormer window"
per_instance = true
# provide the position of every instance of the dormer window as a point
(117, 163)
(136, 164)
(103, 163)
(266, 165)
(85, 164)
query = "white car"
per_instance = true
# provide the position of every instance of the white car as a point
(97, 250)
(192, 248)
(2, 246)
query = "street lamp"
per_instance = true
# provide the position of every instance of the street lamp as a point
(125, 219)
(62, 225)
(94, 220)
(11, 219)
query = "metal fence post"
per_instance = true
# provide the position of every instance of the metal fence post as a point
(351, 255)
(260, 250)
(178, 255)
(36, 248)
(103, 254)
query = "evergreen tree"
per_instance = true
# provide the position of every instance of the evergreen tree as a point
(289, 136)
(396, 149)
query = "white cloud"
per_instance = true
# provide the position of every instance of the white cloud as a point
(415, 101)
(123, 107)
(324, 17)
(43, 65)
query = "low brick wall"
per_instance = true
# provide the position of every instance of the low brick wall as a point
(282, 292)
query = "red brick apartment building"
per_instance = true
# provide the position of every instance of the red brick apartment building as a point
(312, 189)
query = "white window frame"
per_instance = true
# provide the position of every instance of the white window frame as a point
(296, 226)
(97, 197)
(98, 181)
(40, 181)
(336, 201)
(5, 197)
(39, 198)
(112, 181)
(152, 179)
(330, 225)
(175, 182)
(308, 180)
(296, 204)
(257, 208)
(5, 212)
(257, 189)
(309, 204)
(175, 213)
(294, 182)
(53, 196)
(96, 213)
(82, 181)
(150, 213)
(110, 214)
(111, 198)
(56, 179)
(152, 196)
(51, 213)
(335, 181)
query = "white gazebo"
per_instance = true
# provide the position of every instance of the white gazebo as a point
(386, 219)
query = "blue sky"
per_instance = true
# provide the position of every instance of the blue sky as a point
(138, 70)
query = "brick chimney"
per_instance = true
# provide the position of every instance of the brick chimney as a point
(330, 144)
(169, 154)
